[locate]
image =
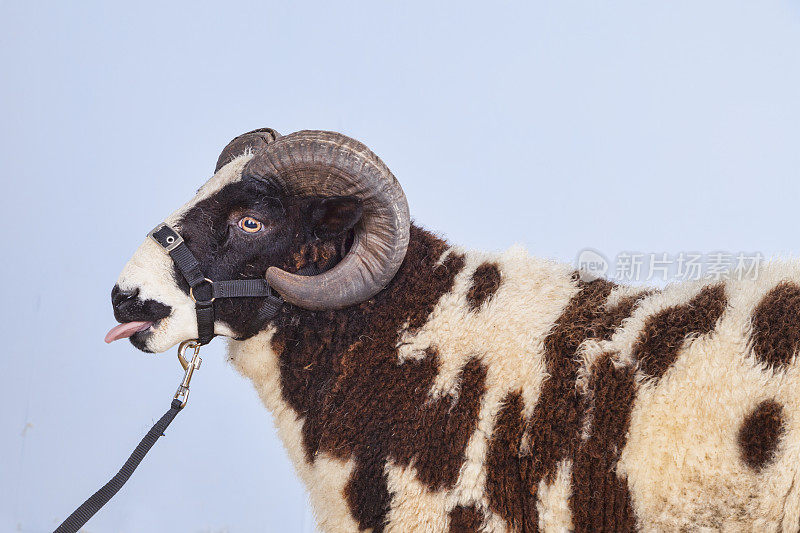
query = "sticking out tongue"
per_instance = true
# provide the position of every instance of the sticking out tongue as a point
(123, 331)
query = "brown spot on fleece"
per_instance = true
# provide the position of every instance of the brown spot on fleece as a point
(511, 491)
(331, 362)
(600, 500)
(514, 470)
(485, 282)
(760, 433)
(556, 419)
(613, 317)
(465, 519)
(664, 333)
(776, 325)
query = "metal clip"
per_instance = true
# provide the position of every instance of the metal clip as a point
(189, 367)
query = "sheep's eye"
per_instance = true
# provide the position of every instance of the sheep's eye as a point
(250, 225)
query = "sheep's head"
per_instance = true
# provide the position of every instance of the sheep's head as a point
(277, 207)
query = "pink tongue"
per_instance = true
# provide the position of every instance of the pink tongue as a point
(123, 331)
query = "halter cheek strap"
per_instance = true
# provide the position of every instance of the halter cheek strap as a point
(204, 291)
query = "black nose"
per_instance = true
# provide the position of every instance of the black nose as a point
(119, 297)
(129, 307)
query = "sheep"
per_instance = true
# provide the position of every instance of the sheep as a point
(419, 386)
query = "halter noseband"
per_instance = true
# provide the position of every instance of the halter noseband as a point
(204, 291)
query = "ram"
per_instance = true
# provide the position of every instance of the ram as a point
(422, 387)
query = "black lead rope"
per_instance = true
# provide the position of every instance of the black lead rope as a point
(96, 501)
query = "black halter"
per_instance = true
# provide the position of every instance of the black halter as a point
(204, 291)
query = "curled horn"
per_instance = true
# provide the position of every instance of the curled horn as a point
(252, 140)
(323, 163)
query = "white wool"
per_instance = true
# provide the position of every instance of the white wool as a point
(552, 503)
(681, 460)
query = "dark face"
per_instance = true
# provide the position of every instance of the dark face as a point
(239, 230)
(237, 234)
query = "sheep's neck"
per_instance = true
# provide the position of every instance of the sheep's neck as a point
(330, 361)
(317, 350)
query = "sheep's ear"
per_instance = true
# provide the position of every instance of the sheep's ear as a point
(332, 216)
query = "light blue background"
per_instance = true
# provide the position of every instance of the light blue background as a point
(656, 126)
